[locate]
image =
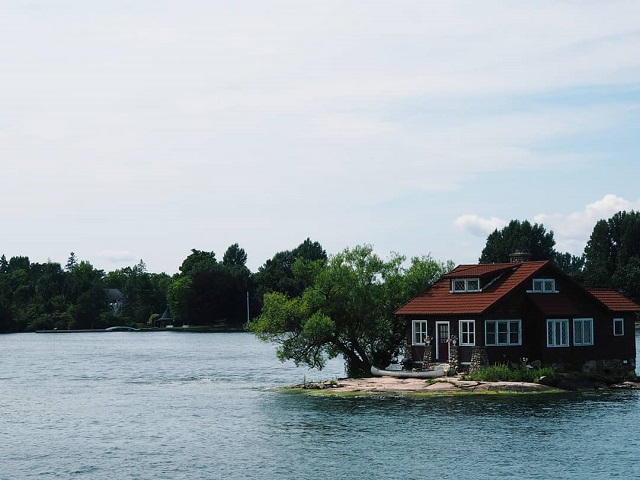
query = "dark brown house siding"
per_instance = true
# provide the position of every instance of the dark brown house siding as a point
(510, 297)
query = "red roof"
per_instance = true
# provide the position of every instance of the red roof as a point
(438, 299)
(466, 271)
(614, 301)
(499, 280)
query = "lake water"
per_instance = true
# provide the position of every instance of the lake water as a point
(202, 406)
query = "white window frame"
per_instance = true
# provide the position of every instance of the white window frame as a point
(509, 324)
(544, 285)
(618, 321)
(465, 283)
(420, 332)
(467, 333)
(555, 324)
(579, 331)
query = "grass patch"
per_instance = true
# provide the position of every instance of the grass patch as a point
(504, 373)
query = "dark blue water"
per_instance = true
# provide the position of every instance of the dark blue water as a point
(202, 406)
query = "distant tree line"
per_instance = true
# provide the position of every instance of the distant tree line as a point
(206, 291)
(209, 291)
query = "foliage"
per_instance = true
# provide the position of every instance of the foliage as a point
(626, 279)
(612, 254)
(208, 292)
(72, 261)
(37, 296)
(277, 275)
(198, 261)
(347, 309)
(571, 265)
(519, 237)
(178, 298)
(85, 291)
(34, 295)
(502, 372)
(234, 256)
(144, 293)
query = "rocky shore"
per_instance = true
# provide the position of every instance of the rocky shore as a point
(448, 385)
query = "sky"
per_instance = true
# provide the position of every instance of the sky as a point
(141, 130)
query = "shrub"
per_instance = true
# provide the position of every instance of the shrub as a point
(501, 372)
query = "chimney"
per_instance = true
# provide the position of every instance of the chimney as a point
(517, 257)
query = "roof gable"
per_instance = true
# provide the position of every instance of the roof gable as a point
(438, 298)
(499, 281)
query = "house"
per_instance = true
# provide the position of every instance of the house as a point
(115, 300)
(164, 320)
(506, 312)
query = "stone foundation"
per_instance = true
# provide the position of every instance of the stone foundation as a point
(427, 360)
(479, 359)
(454, 358)
(408, 356)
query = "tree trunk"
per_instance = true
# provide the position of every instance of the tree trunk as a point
(355, 365)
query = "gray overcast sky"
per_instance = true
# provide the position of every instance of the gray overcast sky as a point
(141, 130)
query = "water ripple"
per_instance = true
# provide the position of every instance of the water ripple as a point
(163, 406)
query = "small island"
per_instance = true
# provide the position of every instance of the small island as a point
(457, 385)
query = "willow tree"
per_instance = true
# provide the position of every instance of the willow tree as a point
(346, 310)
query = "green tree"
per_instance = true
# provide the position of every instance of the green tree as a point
(519, 237)
(144, 293)
(613, 252)
(208, 292)
(571, 265)
(276, 275)
(178, 298)
(21, 289)
(47, 305)
(347, 309)
(600, 256)
(4, 265)
(6, 318)
(85, 290)
(626, 279)
(234, 256)
(197, 261)
(72, 262)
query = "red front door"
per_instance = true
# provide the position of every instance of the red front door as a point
(442, 344)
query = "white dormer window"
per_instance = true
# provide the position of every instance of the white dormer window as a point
(465, 285)
(544, 285)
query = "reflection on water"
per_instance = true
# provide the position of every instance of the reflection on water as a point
(165, 405)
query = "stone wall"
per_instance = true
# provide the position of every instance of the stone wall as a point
(408, 354)
(479, 359)
(454, 358)
(427, 359)
(617, 366)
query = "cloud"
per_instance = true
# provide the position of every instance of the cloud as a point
(478, 226)
(224, 121)
(350, 126)
(572, 231)
(120, 257)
